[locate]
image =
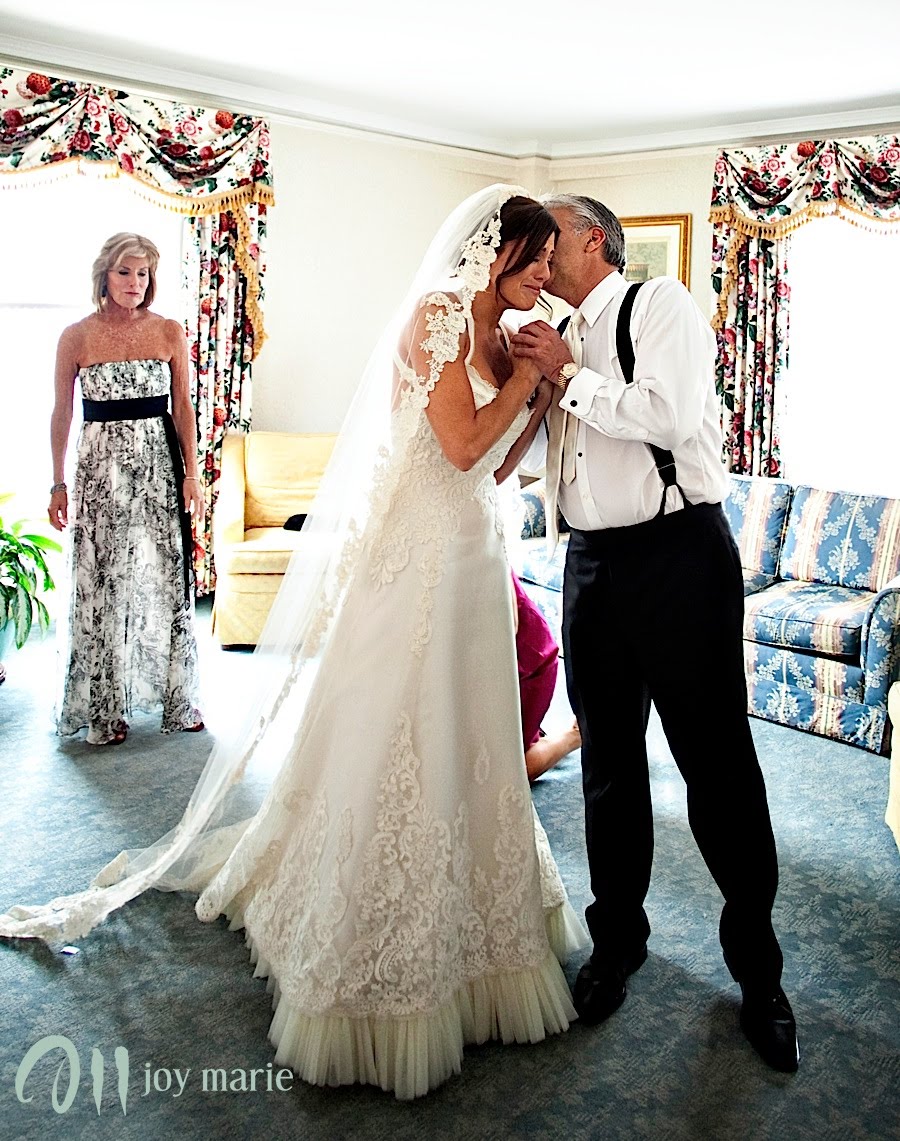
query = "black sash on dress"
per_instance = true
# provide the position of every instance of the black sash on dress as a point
(145, 408)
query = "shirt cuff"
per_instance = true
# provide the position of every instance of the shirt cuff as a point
(581, 390)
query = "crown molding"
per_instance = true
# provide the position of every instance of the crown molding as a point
(286, 107)
(734, 134)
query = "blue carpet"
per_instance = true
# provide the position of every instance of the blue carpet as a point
(671, 1064)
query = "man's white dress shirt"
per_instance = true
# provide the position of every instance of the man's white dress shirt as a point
(671, 403)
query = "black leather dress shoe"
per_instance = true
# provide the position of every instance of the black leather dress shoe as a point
(768, 1022)
(600, 986)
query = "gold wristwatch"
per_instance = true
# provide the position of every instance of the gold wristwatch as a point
(565, 374)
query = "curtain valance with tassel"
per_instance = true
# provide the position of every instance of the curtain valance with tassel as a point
(766, 192)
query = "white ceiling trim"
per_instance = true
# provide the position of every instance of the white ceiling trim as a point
(151, 79)
(871, 119)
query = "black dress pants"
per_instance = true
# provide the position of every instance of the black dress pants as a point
(654, 612)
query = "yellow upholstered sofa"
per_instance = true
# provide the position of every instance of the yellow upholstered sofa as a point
(266, 477)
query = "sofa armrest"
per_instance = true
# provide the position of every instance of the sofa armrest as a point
(880, 659)
(228, 515)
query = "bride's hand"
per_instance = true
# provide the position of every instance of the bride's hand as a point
(542, 396)
(545, 390)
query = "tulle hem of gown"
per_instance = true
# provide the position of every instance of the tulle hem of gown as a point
(408, 1056)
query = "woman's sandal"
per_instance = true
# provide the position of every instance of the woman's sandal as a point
(117, 738)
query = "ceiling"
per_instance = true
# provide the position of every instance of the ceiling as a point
(511, 77)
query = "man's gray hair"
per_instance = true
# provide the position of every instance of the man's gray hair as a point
(589, 212)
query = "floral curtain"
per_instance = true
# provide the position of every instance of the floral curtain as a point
(759, 197)
(222, 341)
(753, 352)
(212, 166)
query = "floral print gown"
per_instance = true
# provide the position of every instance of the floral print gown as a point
(131, 645)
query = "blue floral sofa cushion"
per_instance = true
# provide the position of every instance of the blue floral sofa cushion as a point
(534, 524)
(841, 539)
(808, 616)
(757, 511)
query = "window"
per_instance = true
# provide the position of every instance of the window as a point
(840, 398)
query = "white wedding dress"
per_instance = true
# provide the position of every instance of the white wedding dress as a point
(397, 887)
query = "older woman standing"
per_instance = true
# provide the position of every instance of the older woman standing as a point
(131, 644)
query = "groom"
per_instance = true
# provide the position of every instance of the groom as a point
(652, 611)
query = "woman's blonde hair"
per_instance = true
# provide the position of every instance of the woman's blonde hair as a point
(114, 249)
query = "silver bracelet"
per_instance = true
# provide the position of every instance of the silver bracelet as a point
(57, 487)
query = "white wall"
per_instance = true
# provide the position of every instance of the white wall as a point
(352, 219)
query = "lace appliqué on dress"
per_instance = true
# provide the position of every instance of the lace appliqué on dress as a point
(424, 918)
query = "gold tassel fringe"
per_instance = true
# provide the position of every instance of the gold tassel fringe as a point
(208, 204)
(790, 222)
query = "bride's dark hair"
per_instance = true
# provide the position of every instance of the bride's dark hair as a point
(526, 221)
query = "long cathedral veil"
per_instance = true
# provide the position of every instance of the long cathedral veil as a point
(355, 486)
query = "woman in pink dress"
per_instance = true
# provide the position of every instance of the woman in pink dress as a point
(536, 654)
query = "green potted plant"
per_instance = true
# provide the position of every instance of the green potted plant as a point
(24, 575)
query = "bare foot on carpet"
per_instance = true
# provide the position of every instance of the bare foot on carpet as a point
(549, 751)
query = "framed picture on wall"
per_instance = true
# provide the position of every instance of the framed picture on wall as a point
(658, 245)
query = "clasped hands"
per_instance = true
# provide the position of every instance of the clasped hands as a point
(541, 344)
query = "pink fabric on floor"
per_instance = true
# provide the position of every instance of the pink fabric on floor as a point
(536, 651)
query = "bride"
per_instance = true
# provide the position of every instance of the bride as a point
(369, 824)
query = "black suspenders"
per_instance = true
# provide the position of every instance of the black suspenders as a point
(664, 460)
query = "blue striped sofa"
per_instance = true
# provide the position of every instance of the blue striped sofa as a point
(822, 602)
(822, 606)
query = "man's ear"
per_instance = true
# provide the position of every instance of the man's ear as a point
(596, 236)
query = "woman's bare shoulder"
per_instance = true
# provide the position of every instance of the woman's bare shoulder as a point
(80, 328)
(75, 337)
(171, 327)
